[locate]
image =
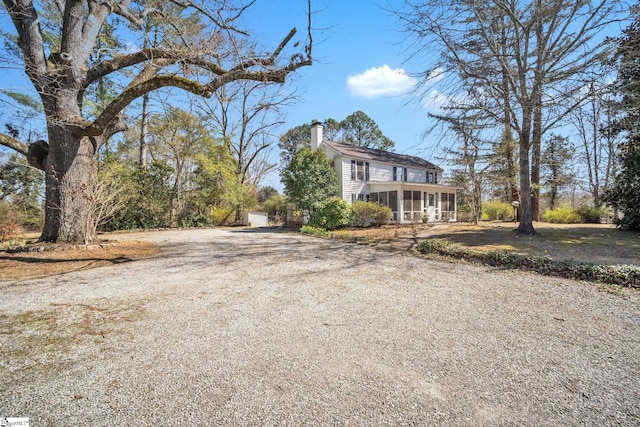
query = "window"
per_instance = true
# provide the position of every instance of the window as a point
(448, 202)
(430, 178)
(393, 200)
(359, 170)
(399, 174)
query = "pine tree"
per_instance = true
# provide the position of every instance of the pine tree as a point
(625, 192)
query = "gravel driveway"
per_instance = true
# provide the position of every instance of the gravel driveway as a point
(240, 327)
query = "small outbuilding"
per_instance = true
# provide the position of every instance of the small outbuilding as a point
(255, 219)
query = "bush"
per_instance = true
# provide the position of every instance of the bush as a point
(369, 214)
(561, 216)
(221, 215)
(331, 214)
(9, 231)
(494, 210)
(591, 215)
(314, 231)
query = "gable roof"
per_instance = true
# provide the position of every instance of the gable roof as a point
(381, 156)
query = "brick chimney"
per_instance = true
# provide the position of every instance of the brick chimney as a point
(316, 135)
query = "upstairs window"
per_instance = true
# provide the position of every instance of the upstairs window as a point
(399, 174)
(359, 170)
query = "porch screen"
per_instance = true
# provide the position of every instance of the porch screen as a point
(448, 202)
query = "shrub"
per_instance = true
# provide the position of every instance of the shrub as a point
(9, 231)
(221, 215)
(494, 210)
(314, 231)
(369, 214)
(331, 214)
(591, 215)
(561, 216)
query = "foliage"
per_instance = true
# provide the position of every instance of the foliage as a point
(591, 215)
(464, 213)
(275, 207)
(562, 216)
(331, 214)
(309, 178)
(356, 129)
(244, 115)
(21, 188)
(293, 140)
(151, 199)
(497, 211)
(555, 162)
(314, 231)
(624, 194)
(221, 215)
(265, 193)
(369, 214)
(624, 275)
(9, 231)
(359, 129)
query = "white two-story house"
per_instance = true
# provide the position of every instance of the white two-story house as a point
(409, 185)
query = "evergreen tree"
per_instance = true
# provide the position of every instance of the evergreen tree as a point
(309, 178)
(625, 192)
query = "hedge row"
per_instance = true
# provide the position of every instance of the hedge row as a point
(624, 275)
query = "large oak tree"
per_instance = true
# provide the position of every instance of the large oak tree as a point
(58, 42)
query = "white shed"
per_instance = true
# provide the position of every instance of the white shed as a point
(255, 219)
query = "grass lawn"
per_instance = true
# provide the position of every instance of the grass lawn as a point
(593, 243)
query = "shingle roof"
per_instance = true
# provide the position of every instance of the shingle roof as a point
(381, 156)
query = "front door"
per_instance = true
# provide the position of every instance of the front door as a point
(430, 208)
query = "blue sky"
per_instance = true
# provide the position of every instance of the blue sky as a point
(358, 65)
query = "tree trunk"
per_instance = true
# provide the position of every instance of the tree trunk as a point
(69, 165)
(142, 161)
(526, 217)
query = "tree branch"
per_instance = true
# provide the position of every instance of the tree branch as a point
(14, 144)
(25, 18)
(105, 68)
(36, 153)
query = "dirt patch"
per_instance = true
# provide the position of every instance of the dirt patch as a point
(56, 259)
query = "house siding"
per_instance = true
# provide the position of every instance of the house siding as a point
(380, 172)
(351, 187)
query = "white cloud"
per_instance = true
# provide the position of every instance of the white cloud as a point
(435, 101)
(380, 81)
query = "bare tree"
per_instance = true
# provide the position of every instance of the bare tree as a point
(526, 58)
(593, 120)
(60, 69)
(245, 114)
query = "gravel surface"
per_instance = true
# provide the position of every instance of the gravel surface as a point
(240, 327)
